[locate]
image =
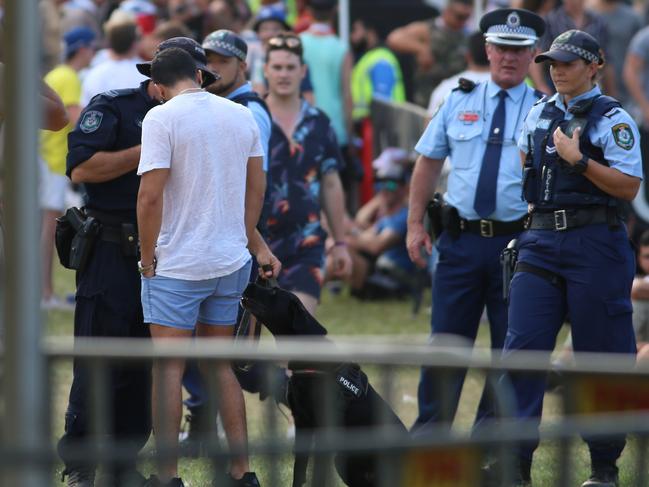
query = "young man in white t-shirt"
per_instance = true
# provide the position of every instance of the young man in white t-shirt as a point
(200, 197)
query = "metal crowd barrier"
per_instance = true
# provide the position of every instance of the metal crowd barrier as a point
(396, 124)
(603, 395)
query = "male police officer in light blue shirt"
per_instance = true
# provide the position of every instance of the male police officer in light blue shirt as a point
(477, 128)
(575, 259)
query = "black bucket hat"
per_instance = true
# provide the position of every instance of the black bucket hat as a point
(193, 48)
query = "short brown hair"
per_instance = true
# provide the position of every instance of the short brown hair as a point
(170, 29)
(122, 37)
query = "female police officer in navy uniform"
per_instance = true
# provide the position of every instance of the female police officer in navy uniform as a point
(581, 160)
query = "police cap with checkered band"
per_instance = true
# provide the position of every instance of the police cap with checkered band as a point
(512, 27)
(572, 45)
(226, 43)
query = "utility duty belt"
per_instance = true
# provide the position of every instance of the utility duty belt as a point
(444, 217)
(492, 228)
(560, 220)
(79, 229)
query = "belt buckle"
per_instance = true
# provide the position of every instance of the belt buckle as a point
(560, 220)
(486, 228)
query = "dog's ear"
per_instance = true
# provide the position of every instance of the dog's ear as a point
(271, 306)
(303, 322)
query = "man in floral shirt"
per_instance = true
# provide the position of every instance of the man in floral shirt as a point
(303, 163)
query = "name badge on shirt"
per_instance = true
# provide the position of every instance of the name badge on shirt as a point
(543, 123)
(468, 117)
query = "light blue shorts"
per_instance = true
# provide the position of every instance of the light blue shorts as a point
(181, 304)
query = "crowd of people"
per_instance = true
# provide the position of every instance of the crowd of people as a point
(182, 221)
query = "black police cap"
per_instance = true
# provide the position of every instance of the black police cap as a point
(193, 48)
(572, 45)
(512, 27)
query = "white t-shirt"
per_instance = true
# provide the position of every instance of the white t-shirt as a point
(110, 75)
(205, 141)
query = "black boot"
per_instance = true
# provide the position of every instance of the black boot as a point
(249, 479)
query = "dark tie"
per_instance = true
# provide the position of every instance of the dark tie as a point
(485, 195)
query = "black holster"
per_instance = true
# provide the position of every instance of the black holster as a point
(451, 221)
(434, 210)
(63, 236)
(508, 259)
(75, 237)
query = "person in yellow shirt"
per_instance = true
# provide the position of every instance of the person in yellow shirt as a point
(64, 80)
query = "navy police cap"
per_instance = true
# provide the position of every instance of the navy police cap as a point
(572, 45)
(226, 43)
(193, 48)
(512, 27)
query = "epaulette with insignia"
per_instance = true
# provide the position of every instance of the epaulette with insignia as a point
(611, 112)
(120, 92)
(465, 85)
(543, 98)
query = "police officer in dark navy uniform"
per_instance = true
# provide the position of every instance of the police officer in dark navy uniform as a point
(477, 128)
(581, 155)
(104, 151)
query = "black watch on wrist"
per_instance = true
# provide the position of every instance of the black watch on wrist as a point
(581, 165)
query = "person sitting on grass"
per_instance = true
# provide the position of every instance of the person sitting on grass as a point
(377, 239)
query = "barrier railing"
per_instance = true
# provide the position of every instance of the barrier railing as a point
(603, 396)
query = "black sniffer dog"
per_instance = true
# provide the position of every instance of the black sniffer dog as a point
(323, 396)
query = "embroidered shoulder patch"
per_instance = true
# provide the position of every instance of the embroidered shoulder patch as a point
(91, 121)
(623, 136)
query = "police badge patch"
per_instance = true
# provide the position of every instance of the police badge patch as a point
(91, 121)
(623, 136)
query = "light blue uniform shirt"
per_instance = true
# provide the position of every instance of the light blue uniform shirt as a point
(261, 117)
(460, 129)
(615, 133)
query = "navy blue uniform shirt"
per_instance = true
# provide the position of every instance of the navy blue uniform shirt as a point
(112, 121)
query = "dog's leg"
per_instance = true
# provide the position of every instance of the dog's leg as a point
(299, 469)
(322, 470)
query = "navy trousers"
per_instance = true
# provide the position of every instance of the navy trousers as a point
(597, 264)
(108, 305)
(468, 277)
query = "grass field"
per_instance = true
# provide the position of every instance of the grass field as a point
(343, 315)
